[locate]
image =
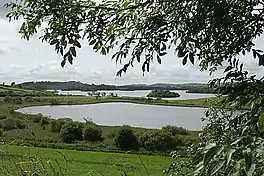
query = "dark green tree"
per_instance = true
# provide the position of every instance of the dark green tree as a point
(71, 132)
(158, 140)
(92, 133)
(125, 139)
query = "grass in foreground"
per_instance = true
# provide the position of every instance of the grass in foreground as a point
(15, 160)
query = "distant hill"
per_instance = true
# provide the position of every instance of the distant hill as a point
(75, 85)
(19, 91)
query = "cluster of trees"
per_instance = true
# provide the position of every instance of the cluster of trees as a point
(201, 89)
(155, 140)
(124, 139)
(163, 94)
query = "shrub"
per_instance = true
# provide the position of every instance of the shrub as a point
(158, 140)
(1, 132)
(175, 130)
(56, 125)
(3, 117)
(71, 132)
(44, 121)
(29, 99)
(16, 100)
(37, 118)
(20, 124)
(125, 139)
(9, 124)
(8, 99)
(92, 133)
(53, 101)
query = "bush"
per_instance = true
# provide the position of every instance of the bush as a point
(44, 121)
(29, 99)
(3, 117)
(56, 125)
(8, 99)
(20, 124)
(92, 133)
(125, 139)
(53, 101)
(71, 132)
(9, 124)
(175, 130)
(37, 118)
(158, 140)
(16, 100)
(1, 132)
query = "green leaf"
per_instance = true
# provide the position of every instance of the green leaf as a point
(218, 165)
(70, 58)
(63, 62)
(191, 57)
(73, 51)
(261, 123)
(261, 60)
(228, 68)
(103, 51)
(184, 61)
(162, 54)
(92, 42)
(229, 155)
(54, 41)
(158, 59)
(77, 43)
(251, 170)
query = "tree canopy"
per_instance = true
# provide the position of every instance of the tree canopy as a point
(143, 30)
(206, 32)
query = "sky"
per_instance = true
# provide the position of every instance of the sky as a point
(22, 61)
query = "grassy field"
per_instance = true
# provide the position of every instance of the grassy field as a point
(15, 160)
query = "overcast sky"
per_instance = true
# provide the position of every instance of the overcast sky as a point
(32, 60)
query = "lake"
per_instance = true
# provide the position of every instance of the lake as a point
(143, 93)
(117, 114)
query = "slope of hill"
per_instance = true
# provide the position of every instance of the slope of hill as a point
(17, 91)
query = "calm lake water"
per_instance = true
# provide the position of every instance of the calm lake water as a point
(116, 114)
(144, 93)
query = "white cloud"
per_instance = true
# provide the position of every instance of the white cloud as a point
(32, 60)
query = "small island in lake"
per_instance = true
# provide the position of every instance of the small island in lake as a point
(163, 94)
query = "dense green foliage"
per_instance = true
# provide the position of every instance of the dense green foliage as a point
(56, 125)
(159, 141)
(92, 133)
(70, 132)
(10, 124)
(125, 139)
(163, 94)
